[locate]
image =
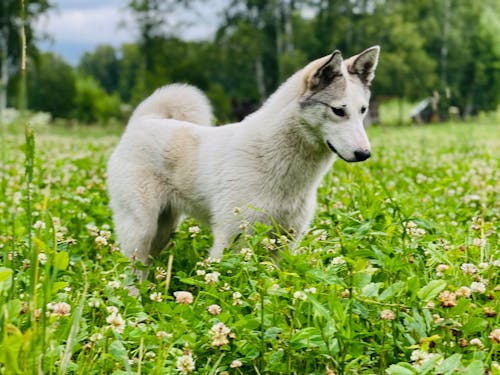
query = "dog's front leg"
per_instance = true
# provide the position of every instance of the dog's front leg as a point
(222, 240)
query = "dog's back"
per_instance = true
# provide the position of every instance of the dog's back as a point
(176, 101)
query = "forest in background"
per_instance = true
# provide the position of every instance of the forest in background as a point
(449, 48)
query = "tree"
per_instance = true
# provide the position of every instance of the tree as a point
(51, 86)
(10, 45)
(92, 103)
(102, 64)
(153, 25)
(131, 68)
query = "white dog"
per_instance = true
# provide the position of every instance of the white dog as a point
(269, 165)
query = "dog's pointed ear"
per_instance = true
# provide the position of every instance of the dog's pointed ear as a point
(325, 74)
(364, 64)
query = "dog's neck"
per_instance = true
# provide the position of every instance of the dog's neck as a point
(293, 158)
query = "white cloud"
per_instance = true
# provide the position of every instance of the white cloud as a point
(77, 26)
(89, 26)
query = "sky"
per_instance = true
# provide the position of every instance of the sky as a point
(76, 26)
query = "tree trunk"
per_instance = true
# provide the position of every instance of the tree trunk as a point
(259, 74)
(4, 72)
(287, 15)
(444, 45)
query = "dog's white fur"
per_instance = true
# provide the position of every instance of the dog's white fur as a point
(269, 165)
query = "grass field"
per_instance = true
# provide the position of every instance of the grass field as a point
(399, 274)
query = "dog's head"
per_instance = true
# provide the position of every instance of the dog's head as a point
(335, 101)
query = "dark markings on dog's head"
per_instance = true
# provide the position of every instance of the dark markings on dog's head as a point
(325, 75)
(334, 91)
(364, 65)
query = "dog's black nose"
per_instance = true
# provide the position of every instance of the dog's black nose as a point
(361, 155)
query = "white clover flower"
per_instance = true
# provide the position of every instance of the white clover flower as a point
(413, 230)
(105, 233)
(185, 364)
(476, 342)
(156, 297)
(214, 309)
(441, 268)
(96, 337)
(495, 335)
(478, 287)
(236, 363)
(463, 291)
(311, 290)
(163, 335)
(244, 225)
(59, 308)
(94, 303)
(447, 298)
(387, 315)
(437, 319)
(116, 322)
(42, 258)
(225, 287)
(201, 272)
(420, 178)
(212, 278)
(300, 296)
(194, 230)
(468, 268)
(472, 198)
(219, 333)
(39, 225)
(483, 265)
(247, 254)
(211, 260)
(237, 299)
(80, 190)
(92, 230)
(114, 284)
(183, 298)
(236, 295)
(419, 357)
(268, 243)
(101, 241)
(112, 310)
(479, 242)
(160, 273)
(338, 260)
(150, 355)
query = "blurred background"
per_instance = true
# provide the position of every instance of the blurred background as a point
(93, 61)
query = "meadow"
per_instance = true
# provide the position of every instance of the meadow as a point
(399, 273)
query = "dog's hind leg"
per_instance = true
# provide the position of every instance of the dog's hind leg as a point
(167, 222)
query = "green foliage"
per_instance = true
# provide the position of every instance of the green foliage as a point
(103, 65)
(51, 86)
(92, 103)
(398, 274)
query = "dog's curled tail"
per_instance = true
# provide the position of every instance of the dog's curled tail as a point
(176, 101)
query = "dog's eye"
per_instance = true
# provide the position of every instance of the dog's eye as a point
(363, 109)
(339, 111)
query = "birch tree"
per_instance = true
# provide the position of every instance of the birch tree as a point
(10, 48)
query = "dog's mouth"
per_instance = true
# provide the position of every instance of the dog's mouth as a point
(334, 150)
(330, 146)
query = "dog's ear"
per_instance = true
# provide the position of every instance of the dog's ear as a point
(325, 74)
(364, 64)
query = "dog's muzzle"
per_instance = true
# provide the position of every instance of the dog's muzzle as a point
(359, 155)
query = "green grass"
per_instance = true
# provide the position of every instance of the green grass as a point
(399, 274)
